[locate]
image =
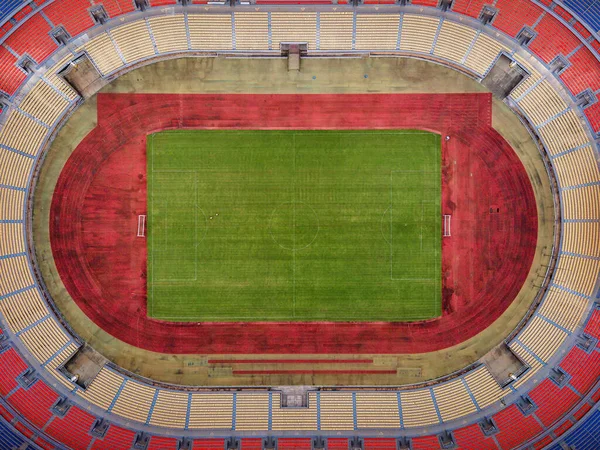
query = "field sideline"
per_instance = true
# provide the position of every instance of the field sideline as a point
(294, 225)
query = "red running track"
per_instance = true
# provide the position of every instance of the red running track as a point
(102, 189)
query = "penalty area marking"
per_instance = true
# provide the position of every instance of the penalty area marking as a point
(141, 231)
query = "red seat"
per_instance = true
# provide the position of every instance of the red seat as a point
(71, 14)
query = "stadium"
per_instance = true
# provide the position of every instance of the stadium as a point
(299, 224)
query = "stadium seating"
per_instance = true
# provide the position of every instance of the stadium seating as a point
(553, 39)
(27, 124)
(73, 15)
(11, 438)
(9, 6)
(514, 15)
(588, 10)
(586, 436)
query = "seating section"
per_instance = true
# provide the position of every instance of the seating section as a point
(583, 72)
(12, 366)
(577, 363)
(576, 168)
(377, 32)
(513, 15)
(294, 418)
(553, 39)
(73, 15)
(542, 103)
(115, 8)
(22, 133)
(589, 10)
(483, 54)
(34, 403)
(103, 390)
(116, 438)
(515, 427)
(593, 326)
(133, 40)
(294, 444)
(335, 30)
(586, 437)
(542, 338)
(562, 307)
(11, 76)
(418, 33)
(563, 133)
(593, 115)
(583, 267)
(8, 6)
(453, 400)
(72, 429)
(454, 41)
(552, 402)
(211, 32)
(134, 401)
(162, 2)
(256, 444)
(44, 339)
(36, 30)
(469, 7)
(252, 411)
(292, 27)
(104, 54)
(418, 409)
(170, 409)
(10, 438)
(336, 411)
(472, 438)
(377, 410)
(483, 387)
(251, 31)
(169, 32)
(214, 411)
(425, 443)
(162, 443)
(23, 309)
(44, 103)
(432, 3)
(337, 444)
(380, 444)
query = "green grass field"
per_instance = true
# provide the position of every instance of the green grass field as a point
(294, 225)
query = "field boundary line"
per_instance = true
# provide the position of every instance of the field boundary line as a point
(423, 202)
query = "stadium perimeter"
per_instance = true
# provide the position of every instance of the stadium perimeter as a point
(317, 76)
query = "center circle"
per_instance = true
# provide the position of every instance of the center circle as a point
(294, 225)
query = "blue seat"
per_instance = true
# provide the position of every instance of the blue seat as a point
(588, 10)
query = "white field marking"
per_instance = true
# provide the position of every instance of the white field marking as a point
(152, 206)
(294, 226)
(141, 231)
(154, 281)
(382, 224)
(424, 172)
(196, 241)
(422, 214)
(283, 318)
(447, 220)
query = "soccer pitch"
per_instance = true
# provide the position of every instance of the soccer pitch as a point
(294, 225)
